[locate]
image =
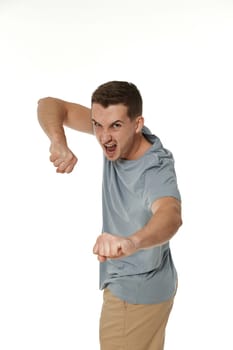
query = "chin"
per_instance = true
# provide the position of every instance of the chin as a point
(112, 157)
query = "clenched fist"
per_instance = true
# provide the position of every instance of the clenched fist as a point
(62, 158)
(112, 247)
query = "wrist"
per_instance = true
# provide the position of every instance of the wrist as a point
(136, 241)
(58, 137)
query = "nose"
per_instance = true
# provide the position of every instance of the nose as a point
(105, 137)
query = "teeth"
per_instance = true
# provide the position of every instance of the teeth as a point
(110, 145)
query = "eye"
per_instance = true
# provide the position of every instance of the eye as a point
(116, 126)
(95, 124)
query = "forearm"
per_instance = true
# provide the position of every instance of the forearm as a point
(51, 116)
(160, 229)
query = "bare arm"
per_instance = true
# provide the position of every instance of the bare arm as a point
(164, 223)
(53, 115)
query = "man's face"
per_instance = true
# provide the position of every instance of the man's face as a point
(115, 131)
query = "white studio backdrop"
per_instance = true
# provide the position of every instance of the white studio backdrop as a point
(179, 54)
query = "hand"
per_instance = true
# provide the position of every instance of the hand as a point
(112, 247)
(62, 158)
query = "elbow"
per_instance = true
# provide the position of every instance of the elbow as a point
(42, 103)
(180, 222)
(44, 107)
(176, 225)
(171, 230)
(45, 100)
(50, 105)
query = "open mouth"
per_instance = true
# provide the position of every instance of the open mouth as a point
(110, 148)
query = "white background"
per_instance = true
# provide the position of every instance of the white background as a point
(179, 54)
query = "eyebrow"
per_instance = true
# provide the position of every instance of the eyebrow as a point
(116, 121)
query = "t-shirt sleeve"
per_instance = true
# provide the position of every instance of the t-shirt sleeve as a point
(160, 178)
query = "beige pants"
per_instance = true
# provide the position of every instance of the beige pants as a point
(125, 326)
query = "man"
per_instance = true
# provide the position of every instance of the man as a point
(141, 212)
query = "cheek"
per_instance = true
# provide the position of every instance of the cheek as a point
(128, 136)
(125, 141)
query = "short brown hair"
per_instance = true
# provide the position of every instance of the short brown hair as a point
(119, 92)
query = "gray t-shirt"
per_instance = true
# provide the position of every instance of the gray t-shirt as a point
(129, 189)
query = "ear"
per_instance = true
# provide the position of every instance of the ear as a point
(139, 124)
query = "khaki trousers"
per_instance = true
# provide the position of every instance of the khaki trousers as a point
(125, 326)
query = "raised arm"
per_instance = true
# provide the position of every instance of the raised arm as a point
(53, 115)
